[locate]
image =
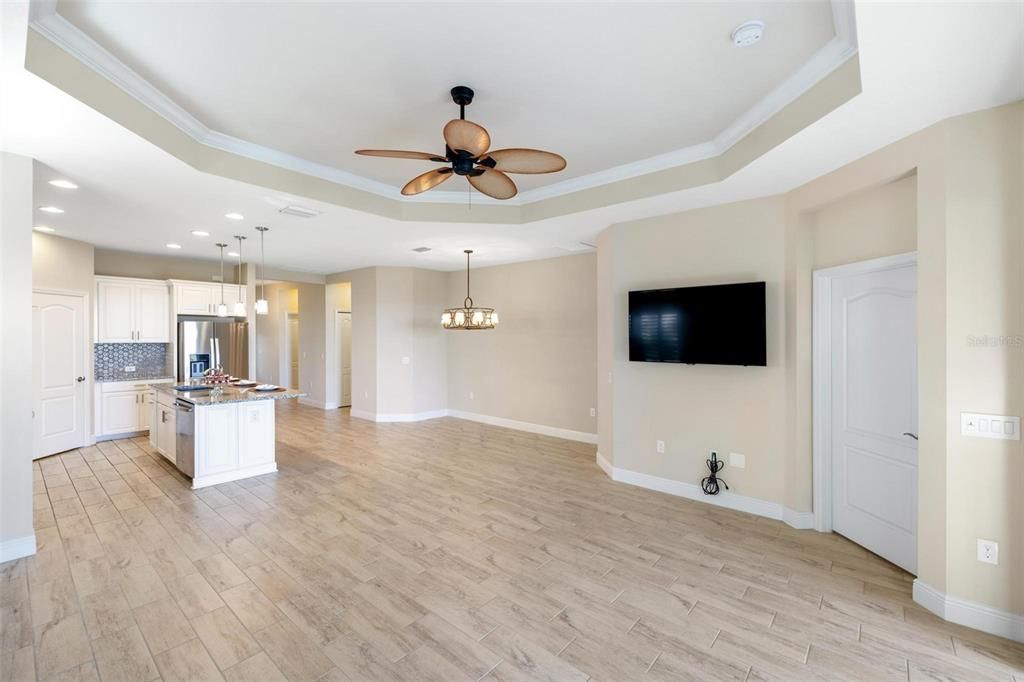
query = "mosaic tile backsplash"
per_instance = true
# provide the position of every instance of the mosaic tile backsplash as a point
(151, 360)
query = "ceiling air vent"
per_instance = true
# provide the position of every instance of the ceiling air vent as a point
(421, 249)
(299, 212)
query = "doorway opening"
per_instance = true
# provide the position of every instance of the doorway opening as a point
(343, 334)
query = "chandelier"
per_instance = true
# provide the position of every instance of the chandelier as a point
(469, 316)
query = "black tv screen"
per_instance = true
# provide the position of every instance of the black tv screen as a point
(722, 324)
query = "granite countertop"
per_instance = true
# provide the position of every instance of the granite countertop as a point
(119, 378)
(229, 394)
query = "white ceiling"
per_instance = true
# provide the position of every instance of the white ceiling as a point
(962, 57)
(603, 84)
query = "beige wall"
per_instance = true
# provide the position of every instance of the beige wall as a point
(150, 266)
(960, 184)
(59, 263)
(985, 281)
(430, 341)
(538, 365)
(699, 408)
(15, 356)
(876, 222)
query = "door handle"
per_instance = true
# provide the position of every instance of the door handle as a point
(79, 379)
(912, 435)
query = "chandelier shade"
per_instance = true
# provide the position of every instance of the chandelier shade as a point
(469, 316)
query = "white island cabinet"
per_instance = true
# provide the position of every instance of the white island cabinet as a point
(221, 436)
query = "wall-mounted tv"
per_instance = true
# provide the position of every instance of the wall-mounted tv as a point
(722, 324)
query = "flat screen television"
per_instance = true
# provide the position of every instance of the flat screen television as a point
(722, 324)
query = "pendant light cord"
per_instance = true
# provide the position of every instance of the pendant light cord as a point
(221, 247)
(468, 303)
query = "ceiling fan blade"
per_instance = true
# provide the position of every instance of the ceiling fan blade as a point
(399, 154)
(519, 160)
(494, 184)
(466, 136)
(429, 180)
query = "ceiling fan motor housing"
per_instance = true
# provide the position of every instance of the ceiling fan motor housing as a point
(462, 95)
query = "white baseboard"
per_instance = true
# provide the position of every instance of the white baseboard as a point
(332, 405)
(692, 491)
(17, 548)
(801, 520)
(411, 416)
(970, 614)
(236, 475)
(314, 403)
(542, 429)
(398, 417)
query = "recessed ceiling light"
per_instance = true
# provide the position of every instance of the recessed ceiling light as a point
(233, 254)
(51, 209)
(234, 216)
(200, 233)
(64, 184)
(172, 245)
(43, 228)
(747, 33)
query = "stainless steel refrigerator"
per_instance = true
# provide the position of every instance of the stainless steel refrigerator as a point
(205, 342)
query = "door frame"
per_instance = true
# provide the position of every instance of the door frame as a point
(89, 437)
(821, 374)
(337, 354)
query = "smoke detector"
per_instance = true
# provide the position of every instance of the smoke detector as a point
(747, 33)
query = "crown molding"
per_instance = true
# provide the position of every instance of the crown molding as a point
(44, 18)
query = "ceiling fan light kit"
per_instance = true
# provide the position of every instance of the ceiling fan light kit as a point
(466, 150)
(469, 316)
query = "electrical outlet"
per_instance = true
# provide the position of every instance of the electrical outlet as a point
(988, 551)
(471, 397)
(659, 445)
(405, 360)
(737, 461)
(593, 411)
(129, 368)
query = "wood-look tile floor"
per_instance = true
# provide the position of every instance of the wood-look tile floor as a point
(443, 550)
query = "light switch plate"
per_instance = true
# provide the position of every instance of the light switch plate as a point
(737, 461)
(997, 426)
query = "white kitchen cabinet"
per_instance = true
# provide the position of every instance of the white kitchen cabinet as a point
(152, 324)
(132, 311)
(124, 407)
(255, 433)
(217, 452)
(202, 298)
(194, 298)
(114, 311)
(162, 432)
(120, 412)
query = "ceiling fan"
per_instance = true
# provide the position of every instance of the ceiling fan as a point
(466, 145)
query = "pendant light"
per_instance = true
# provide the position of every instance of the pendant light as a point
(240, 303)
(222, 307)
(262, 307)
(469, 316)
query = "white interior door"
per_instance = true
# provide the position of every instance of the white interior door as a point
(343, 332)
(59, 373)
(874, 412)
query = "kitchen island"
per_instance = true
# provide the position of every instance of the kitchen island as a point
(219, 434)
